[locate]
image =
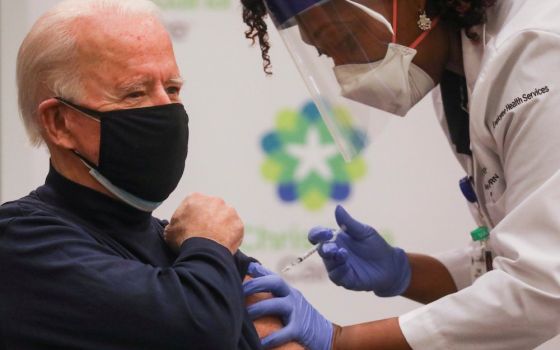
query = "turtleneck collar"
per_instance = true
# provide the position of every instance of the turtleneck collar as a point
(90, 205)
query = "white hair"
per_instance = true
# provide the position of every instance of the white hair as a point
(47, 58)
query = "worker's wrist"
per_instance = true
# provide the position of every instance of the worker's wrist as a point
(335, 336)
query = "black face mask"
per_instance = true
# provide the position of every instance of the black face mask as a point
(142, 151)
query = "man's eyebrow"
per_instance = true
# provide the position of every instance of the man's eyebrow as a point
(133, 85)
(176, 80)
(139, 84)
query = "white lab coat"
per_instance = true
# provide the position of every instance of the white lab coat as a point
(513, 79)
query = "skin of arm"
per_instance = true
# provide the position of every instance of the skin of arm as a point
(384, 334)
(269, 324)
(430, 279)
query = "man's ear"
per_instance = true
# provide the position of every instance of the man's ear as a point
(53, 118)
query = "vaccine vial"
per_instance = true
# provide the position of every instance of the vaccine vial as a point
(481, 257)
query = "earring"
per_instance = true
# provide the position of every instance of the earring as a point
(424, 22)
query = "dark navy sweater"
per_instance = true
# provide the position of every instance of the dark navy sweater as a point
(80, 270)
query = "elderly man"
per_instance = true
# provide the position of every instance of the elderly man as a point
(83, 264)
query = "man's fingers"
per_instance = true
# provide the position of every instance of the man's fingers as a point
(319, 234)
(352, 227)
(271, 284)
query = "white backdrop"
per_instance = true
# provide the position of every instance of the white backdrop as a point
(408, 190)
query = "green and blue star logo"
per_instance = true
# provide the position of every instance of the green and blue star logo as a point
(303, 161)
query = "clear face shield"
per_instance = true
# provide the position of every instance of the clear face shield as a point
(348, 56)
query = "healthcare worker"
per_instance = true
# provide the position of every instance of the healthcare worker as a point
(497, 64)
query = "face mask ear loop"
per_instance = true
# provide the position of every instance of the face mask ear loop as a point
(424, 34)
(395, 21)
(69, 105)
(86, 162)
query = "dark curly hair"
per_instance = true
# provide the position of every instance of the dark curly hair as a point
(254, 13)
(461, 14)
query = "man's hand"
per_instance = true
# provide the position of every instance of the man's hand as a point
(206, 217)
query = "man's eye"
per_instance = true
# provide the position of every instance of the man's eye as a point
(173, 90)
(136, 94)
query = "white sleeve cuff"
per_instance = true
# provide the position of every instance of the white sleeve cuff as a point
(458, 264)
(416, 325)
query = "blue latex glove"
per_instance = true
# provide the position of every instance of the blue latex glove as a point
(302, 323)
(360, 259)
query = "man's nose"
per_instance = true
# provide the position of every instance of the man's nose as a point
(160, 96)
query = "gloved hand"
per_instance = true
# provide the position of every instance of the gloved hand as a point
(302, 323)
(360, 259)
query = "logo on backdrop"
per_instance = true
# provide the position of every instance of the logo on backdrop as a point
(303, 161)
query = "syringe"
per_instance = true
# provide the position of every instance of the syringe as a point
(306, 255)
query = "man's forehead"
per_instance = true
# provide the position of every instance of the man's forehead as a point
(123, 41)
(124, 53)
(116, 32)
